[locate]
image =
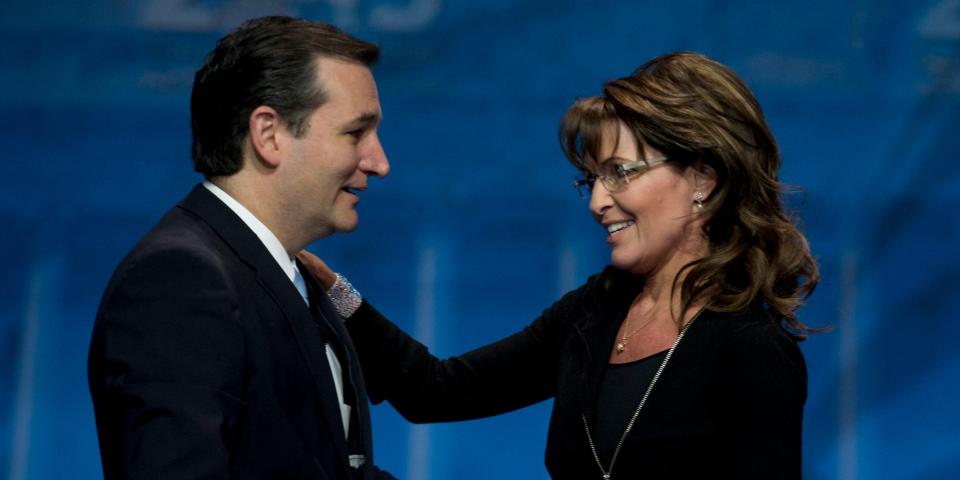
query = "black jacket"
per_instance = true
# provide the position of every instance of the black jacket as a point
(206, 363)
(728, 405)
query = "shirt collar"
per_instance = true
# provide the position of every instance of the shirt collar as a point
(269, 240)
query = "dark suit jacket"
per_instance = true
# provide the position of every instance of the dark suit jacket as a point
(206, 363)
(729, 403)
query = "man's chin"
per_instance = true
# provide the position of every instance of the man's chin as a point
(347, 225)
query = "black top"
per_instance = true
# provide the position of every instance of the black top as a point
(728, 405)
(621, 389)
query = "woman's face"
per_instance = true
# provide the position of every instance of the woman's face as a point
(649, 224)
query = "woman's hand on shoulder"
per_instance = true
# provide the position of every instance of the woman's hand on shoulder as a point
(318, 268)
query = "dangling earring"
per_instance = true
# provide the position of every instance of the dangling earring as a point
(698, 198)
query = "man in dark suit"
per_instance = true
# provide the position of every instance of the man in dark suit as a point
(214, 354)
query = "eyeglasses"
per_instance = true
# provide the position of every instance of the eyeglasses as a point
(614, 176)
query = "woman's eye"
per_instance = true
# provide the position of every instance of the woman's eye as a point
(611, 171)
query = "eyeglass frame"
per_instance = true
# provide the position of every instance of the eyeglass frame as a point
(616, 185)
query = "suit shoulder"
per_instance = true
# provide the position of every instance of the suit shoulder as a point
(177, 230)
(179, 251)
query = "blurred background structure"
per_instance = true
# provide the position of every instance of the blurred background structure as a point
(476, 229)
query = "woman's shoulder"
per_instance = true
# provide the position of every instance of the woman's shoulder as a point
(756, 356)
(752, 334)
(753, 321)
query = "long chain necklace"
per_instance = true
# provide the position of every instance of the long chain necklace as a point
(633, 419)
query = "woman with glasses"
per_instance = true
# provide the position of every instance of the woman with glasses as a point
(680, 359)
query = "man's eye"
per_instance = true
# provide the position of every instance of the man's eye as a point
(356, 134)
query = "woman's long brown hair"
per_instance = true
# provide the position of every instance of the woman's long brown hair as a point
(697, 111)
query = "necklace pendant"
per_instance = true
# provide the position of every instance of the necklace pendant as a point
(606, 476)
(620, 347)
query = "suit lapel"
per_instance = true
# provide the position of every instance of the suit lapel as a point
(281, 290)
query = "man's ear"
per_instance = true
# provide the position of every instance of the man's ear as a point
(264, 133)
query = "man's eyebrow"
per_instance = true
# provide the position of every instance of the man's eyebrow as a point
(363, 120)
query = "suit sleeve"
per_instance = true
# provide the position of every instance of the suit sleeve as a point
(166, 368)
(762, 407)
(505, 375)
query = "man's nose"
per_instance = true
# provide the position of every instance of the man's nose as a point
(375, 161)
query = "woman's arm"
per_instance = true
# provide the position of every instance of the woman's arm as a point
(505, 375)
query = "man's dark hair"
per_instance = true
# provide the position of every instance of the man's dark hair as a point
(266, 61)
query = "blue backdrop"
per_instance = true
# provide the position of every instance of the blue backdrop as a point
(476, 229)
